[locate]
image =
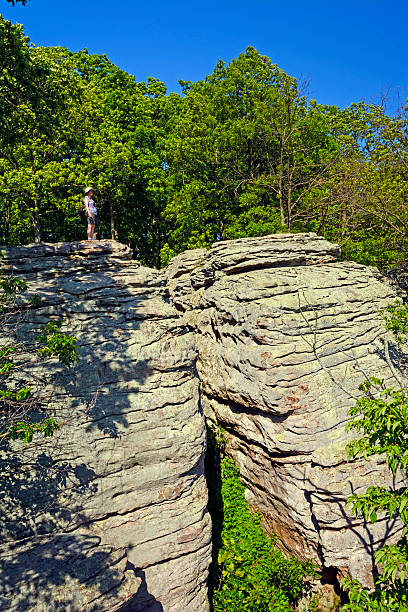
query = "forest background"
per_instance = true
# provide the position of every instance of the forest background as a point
(243, 152)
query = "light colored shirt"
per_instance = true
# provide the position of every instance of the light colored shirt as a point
(91, 206)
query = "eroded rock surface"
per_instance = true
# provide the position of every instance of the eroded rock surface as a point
(110, 514)
(285, 334)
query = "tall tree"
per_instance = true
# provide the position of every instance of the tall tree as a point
(363, 201)
(91, 123)
(37, 95)
(244, 152)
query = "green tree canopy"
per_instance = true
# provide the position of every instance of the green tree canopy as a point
(243, 152)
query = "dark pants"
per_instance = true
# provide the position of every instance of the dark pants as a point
(91, 220)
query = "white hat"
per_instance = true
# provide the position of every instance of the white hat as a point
(87, 189)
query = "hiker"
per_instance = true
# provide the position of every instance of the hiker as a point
(91, 213)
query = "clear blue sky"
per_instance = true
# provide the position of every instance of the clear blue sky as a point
(351, 50)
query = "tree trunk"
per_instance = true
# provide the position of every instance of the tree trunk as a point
(250, 159)
(289, 206)
(282, 211)
(289, 189)
(5, 227)
(36, 223)
(114, 233)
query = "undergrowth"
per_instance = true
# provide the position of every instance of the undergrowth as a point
(249, 573)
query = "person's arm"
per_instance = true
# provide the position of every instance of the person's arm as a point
(86, 202)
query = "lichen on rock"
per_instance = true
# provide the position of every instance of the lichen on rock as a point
(285, 334)
(269, 336)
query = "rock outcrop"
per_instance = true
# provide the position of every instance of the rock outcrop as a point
(111, 513)
(285, 334)
(272, 336)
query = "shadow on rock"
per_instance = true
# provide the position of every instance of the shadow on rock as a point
(143, 601)
(52, 557)
(59, 572)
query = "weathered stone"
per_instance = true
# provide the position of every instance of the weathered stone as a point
(111, 512)
(285, 335)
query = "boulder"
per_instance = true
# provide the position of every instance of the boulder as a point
(270, 336)
(285, 334)
(110, 513)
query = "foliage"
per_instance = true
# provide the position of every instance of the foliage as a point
(21, 416)
(243, 152)
(23, 430)
(254, 575)
(361, 600)
(380, 416)
(58, 344)
(76, 119)
(11, 287)
(395, 317)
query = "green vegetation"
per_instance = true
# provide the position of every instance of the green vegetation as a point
(395, 317)
(380, 416)
(249, 572)
(243, 152)
(22, 413)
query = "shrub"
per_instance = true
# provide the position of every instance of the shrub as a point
(17, 403)
(253, 574)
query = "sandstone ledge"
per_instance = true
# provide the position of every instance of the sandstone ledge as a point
(271, 336)
(285, 334)
(110, 514)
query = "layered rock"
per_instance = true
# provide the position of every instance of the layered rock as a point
(111, 512)
(285, 334)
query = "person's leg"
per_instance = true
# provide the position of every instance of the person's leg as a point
(93, 231)
(89, 230)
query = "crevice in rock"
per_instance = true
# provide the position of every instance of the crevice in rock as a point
(329, 575)
(238, 408)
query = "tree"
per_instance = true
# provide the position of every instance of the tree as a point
(240, 153)
(38, 102)
(121, 153)
(84, 122)
(244, 151)
(362, 203)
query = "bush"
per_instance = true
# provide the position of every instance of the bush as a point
(22, 414)
(253, 574)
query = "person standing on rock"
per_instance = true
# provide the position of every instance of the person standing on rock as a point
(91, 213)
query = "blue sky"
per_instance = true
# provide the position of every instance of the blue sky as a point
(351, 50)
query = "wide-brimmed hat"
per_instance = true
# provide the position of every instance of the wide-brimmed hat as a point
(88, 189)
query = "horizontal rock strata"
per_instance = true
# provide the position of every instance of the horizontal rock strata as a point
(285, 334)
(109, 514)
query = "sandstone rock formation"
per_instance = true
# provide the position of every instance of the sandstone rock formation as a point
(285, 334)
(111, 513)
